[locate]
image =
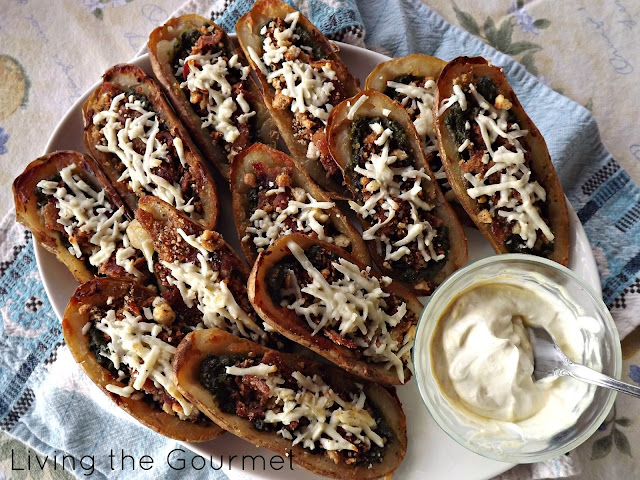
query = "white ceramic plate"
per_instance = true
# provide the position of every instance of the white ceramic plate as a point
(431, 453)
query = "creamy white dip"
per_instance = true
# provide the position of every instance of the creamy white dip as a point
(482, 359)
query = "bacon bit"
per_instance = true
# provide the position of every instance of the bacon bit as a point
(500, 229)
(256, 384)
(261, 170)
(207, 42)
(50, 213)
(433, 220)
(281, 200)
(339, 339)
(132, 307)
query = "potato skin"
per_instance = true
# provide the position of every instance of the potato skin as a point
(470, 68)
(197, 345)
(123, 77)
(421, 66)
(287, 322)
(161, 222)
(76, 315)
(248, 31)
(161, 44)
(243, 164)
(338, 129)
(28, 212)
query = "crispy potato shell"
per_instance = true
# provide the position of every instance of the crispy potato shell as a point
(465, 70)
(421, 66)
(338, 129)
(248, 31)
(124, 77)
(258, 153)
(198, 345)
(28, 212)
(161, 45)
(289, 324)
(96, 293)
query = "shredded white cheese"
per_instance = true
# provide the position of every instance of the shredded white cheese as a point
(324, 410)
(389, 187)
(309, 87)
(354, 108)
(515, 175)
(307, 214)
(82, 210)
(199, 284)
(134, 343)
(420, 100)
(354, 305)
(457, 96)
(208, 76)
(260, 370)
(138, 172)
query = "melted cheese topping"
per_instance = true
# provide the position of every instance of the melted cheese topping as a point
(307, 214)
(354, 108)
(308, 86)
(315, 401)
(355, 306)
(134, 343)
(82, 210)
(457, 96)
(199, 284)
(208, 73)
(421, 101)
(517, 193)
(138, 172)
(389, 186)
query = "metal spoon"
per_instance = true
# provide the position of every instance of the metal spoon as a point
(550, 360)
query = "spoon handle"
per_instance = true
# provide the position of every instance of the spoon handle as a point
(585, 374)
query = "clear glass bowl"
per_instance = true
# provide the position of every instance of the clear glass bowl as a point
(575, 293)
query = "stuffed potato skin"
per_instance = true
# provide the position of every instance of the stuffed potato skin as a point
(375, 105)
(97, 293)
(250, 37)
(291, 325)
(33, 211)
(422, 70)
(272, 162)
(462, 72)
(165, 43)
(183, 248)
(198, 345)
(192, 179)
